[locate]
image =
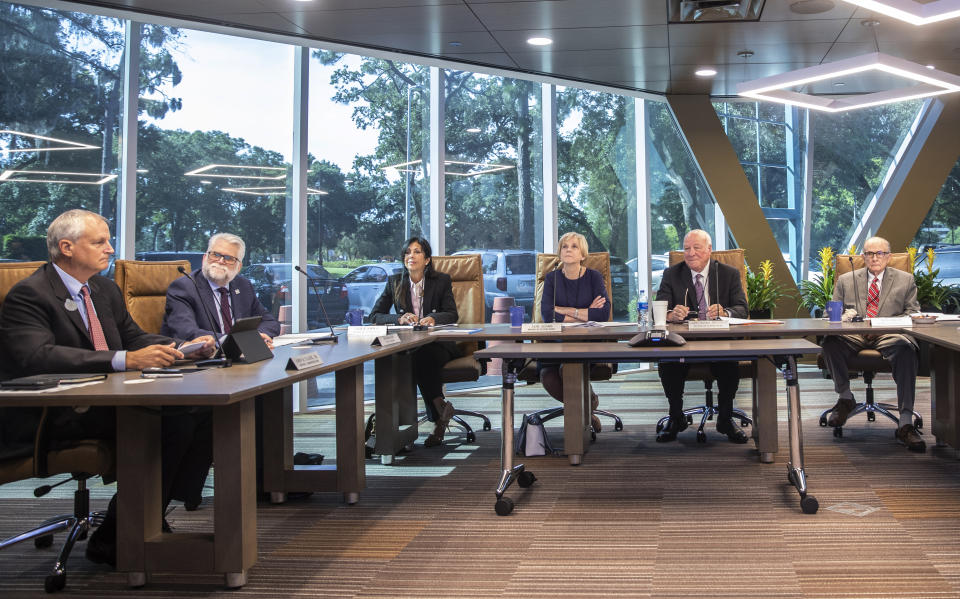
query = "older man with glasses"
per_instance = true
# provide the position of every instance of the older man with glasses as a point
(871, 292)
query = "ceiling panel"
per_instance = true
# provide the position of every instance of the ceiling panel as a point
(570, 13)
(415, 19)
(586, 38)
(781, 10)
(437, 44)
(762, 53)
(206, 8)
(266, 21)
(745, 34)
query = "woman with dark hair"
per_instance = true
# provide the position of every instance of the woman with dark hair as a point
(421, 295)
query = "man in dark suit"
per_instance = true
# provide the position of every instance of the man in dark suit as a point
(876, 291)
(701, 288)
(226, 294)
(67, 318)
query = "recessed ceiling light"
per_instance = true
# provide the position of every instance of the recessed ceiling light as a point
(838, 84)
(911, 11)
(869, 23)
(776, 88)
(455, 44)
(539, 41)
(705, 72)
(473, 130)
(811, 7)
(931, 67)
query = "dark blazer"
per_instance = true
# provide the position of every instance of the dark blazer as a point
(38, 335)
(677, 285)
(437, 300)
(186, 318)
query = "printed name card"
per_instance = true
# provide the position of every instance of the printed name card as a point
(355, 332)
(707, 325)
(541, 327)
(385, 340)
(891, 321)
(303, 361)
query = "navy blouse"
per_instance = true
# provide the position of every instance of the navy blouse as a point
(576, 293)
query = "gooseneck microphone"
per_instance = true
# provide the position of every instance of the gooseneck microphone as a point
(222, 361)
(316, 291)
(716, 280)
(556, 281)
(856, 291)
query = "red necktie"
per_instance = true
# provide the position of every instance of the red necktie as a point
(93, 323)
(873, 299)
(225, 310)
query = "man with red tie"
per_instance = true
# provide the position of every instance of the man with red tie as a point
(876, 291)
(67, 318)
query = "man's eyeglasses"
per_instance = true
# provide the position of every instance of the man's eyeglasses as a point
(876, 254)
(225, 258)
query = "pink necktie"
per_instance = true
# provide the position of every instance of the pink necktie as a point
(873, 299)
(93, 323)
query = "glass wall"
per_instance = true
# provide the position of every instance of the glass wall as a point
(59, 121)
(770, 141)
(597, 182)
(493, 128)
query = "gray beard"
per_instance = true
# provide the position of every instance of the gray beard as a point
(223, 282)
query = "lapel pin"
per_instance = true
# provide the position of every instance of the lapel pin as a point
(70, 305)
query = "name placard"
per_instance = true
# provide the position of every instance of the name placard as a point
(891, 321)
(354, 332)
(385, 340)
(707, 325)
(541, 327)
(303, 361)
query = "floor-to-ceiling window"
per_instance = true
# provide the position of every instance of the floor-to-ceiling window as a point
(60, 101)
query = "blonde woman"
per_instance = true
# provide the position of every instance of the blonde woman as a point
(572, 293)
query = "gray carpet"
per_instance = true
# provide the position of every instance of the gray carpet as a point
(637, 519)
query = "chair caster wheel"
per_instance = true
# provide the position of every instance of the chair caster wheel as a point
(809, 504)
(918, 423)
(618, 425)
(593, 435)
(659, 427)
(43, 542)
(55, 582)
(689, 420)
(504, 506)
(471, 437)
(701, 437)
(525, 479)
(486, 426)
(838, 431)
(871, 417)
(744, 423)
(823, 421)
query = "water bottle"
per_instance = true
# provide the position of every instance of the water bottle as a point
(642, 309)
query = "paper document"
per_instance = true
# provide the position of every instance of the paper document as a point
(753, 321)
(891, 321)
(452, 332)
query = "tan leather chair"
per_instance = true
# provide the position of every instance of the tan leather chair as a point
(81, 459)
(868, 362)
(466, 274)
(144, 287)
(701, 372)
(599, 261)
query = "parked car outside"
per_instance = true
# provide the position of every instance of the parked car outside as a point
(658, 263)
(947, 259)
(507, 273)
(271, 281)
(620, 284)
(364, 284)
(195, 258)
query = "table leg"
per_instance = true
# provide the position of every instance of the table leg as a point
(351, 472)
(765, 409)
(235, 490)
(396, 405)
(139, 488)
(576, 406)
(945, 396)
(795, 472)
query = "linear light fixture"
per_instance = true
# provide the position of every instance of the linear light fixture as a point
(271, 191)
(208, 171)
(930, 82)
(68, 145)
(911, 11)
(100, 178)
(488, 167)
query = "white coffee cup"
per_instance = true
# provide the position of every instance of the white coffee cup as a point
(660, 313)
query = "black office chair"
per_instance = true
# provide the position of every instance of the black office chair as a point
(701, 372)
(868, 362)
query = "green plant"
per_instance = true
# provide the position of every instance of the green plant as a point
(763, 292)
(815, 294)
(930, 291)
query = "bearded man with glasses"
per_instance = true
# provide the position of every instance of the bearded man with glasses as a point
(871, 292)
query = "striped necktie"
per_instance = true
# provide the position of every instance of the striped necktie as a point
(873, 299)
(93, 323)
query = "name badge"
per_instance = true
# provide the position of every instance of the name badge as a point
(707, 325)
(385, 340)
(303, 361)
(360, 331)
(541, 327)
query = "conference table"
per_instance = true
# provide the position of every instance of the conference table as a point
(576, 358)
(232, 547)
(944, 380)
